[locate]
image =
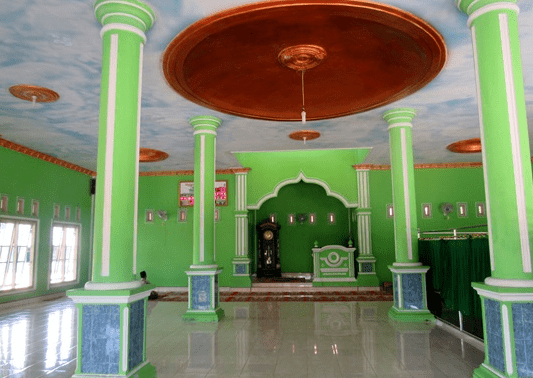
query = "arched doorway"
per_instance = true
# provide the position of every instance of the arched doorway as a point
(296, 240)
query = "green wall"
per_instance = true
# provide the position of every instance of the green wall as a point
(333, 167)
(164, 249)
(434, 186)
(296, 241)
(32, 178)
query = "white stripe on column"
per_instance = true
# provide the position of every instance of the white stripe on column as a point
(406, 194)
(515, 143)
(483, 150)
(507, 341)
(393, 202)
(109, 151)
(237, 236)
(212, 215)
(202, 198)
(125, 338)
(137, 146)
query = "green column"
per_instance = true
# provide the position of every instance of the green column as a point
(367, 262)
(241, 260)
(403, 186)
(504, 138)
(124, 23)
(112, 307)
(409, 276)
(203, 273)
(507, 295)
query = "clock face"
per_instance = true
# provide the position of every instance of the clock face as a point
(268, 235)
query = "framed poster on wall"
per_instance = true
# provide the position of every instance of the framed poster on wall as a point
(187, 193)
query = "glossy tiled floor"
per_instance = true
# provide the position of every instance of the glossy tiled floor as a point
(269, 339)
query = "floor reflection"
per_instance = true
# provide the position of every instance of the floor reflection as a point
(255, 339)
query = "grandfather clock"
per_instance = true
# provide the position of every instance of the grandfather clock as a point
(268, 250)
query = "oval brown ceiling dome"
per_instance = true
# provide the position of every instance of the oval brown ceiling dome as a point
(375, 54)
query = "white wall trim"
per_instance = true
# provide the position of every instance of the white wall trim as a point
(301, 177)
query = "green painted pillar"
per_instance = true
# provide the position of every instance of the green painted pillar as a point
(203, 273)
(241, 260)
(112, 306)
(409, 276)
(367, 262)
(114, 257)
(507, 295)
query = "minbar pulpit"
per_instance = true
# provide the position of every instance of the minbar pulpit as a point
(268, 264)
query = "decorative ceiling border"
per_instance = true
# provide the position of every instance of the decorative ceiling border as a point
(385, 167)
(190, 172)
(39, 155)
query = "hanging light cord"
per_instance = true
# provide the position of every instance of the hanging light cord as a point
(303, 98)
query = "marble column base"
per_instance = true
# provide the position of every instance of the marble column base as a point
(410, 295)
(507, 330)
(204, 303)
(112, 333)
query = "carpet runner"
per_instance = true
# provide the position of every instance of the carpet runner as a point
(292, 296)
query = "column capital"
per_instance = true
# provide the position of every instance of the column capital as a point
(476, 8)
(130, 15)
(205, 124)
(399, 117)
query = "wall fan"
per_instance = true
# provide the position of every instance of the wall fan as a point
(446, 208)
(162, 214)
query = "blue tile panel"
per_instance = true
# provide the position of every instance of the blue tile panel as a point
(366, 267)
(100, 346)
(493, 324)
(201, 292)
(395, 289)
(523, 337)
(413, 297)
(216, 291)
(136, 337)
(240, 268)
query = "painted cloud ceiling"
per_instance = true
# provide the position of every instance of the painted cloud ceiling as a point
(56, 44)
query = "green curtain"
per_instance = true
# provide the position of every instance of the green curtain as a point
(454, 265)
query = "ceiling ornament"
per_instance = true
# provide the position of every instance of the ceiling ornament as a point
(376, 54)
(304, 135)
(302, 58)
(148, 155)
(467, 146)
(33, 93)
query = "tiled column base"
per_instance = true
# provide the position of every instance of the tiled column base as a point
(366, 276)
(112, 333)
(241, 272)
(410, 295)
(508, 331)
(204, 303)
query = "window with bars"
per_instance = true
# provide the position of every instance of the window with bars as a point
(17, 253)
(65, 250)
